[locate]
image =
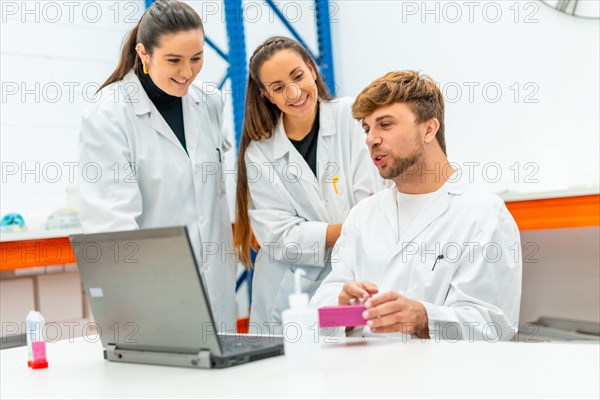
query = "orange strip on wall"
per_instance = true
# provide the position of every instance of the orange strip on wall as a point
(35, 253)
(564, 212)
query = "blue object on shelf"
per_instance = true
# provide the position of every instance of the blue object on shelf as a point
(12, 223)
(13, 219)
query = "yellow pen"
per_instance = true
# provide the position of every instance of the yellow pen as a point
(335, 181)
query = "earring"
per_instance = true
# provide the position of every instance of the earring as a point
(146, 69)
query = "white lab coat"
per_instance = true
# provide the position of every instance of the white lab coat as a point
(166, 187)
(473, 293)
(290, 208)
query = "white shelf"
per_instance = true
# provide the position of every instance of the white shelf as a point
(38, 234)
(519, 196)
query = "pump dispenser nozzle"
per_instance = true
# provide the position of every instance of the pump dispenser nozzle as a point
(298, 299)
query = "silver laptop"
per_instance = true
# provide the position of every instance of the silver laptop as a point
(150, 304)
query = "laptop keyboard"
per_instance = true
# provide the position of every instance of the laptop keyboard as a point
(235, 343)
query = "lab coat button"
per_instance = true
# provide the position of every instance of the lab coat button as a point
(205, 265)
(201, 220)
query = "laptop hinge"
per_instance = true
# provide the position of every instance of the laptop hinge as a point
(200, 360)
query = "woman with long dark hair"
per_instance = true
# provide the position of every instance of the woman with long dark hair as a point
(303, 163)
(156, 144)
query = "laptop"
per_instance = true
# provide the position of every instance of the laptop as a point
(150, 303)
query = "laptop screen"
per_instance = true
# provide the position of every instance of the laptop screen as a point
(145, 290)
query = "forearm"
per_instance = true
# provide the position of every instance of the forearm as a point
(290, 240)
(332, 235)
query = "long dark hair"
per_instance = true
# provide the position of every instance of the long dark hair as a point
(162, 17)
(260, 118)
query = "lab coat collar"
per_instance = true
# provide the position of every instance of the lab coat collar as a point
(192, 96)
(435, 207)
(457, 183)
(281, 144)
(143, 105)
(136, 94)
(326, 118)
(298, 166)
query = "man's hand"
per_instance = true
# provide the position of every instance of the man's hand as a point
(392, 312)
(356, 290)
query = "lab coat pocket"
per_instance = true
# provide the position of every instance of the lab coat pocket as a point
(431, 281)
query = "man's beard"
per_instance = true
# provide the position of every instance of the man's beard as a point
(401, 165)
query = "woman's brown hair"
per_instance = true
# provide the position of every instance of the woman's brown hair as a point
(260, 118)
(161, 18)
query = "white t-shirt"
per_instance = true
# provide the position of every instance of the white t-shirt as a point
(408, 207)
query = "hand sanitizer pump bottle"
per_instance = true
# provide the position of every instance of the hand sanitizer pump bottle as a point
(300, 329)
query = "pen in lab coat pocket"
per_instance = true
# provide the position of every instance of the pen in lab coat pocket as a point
(440, 257)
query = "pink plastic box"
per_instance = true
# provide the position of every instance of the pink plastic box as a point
(342, 316)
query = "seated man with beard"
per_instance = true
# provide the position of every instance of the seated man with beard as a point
(435, 256)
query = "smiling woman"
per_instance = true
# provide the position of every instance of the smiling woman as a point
(313, 167)
(175, 62)
(151, 133)
(175, 45)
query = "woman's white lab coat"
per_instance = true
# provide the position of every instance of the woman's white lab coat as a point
(290, 208)
(136, 174)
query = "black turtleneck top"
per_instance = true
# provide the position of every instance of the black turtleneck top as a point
(307, 146)
(169, 107)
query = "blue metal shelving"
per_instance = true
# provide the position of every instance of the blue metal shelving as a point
(237, 72)
(325, 59)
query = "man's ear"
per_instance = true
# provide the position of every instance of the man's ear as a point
(432, 126)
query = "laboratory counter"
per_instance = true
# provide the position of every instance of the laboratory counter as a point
(350, 368)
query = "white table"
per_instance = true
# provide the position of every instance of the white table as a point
(356, 369)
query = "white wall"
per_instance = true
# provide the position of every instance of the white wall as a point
(552, 130)
(557, 55)
(54, 57)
